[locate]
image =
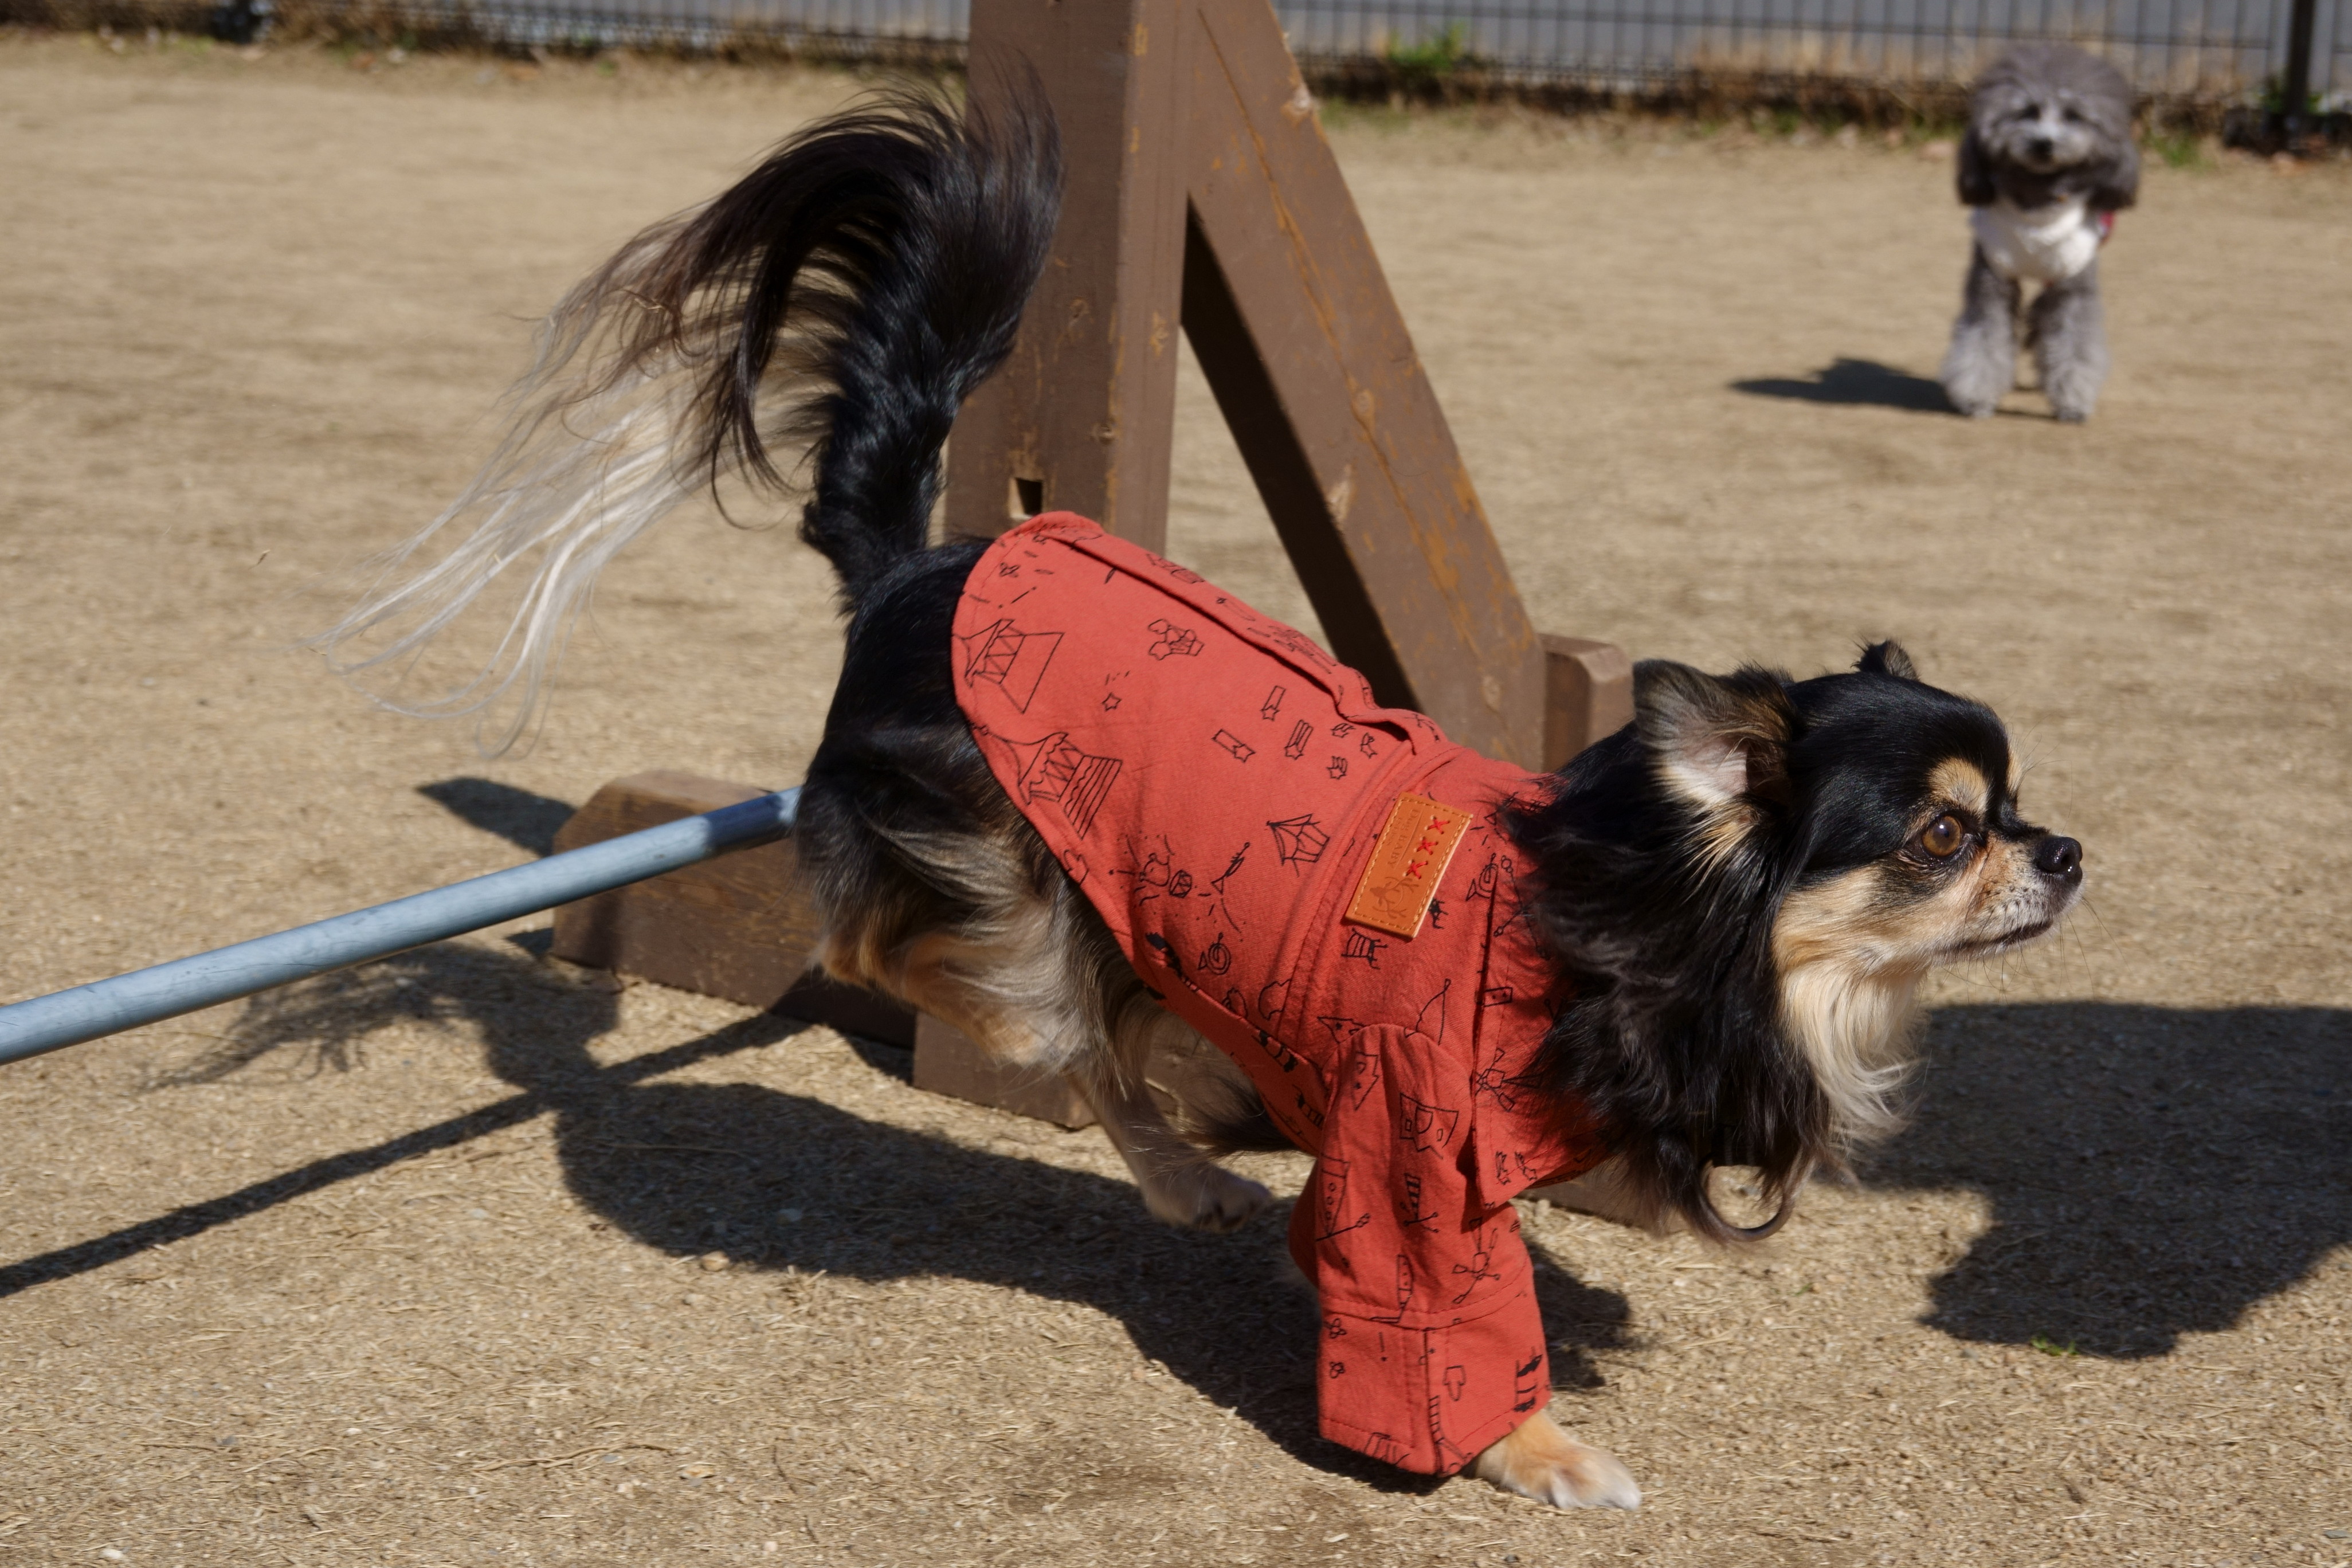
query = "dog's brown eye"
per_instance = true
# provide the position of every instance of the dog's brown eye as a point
(1944, 836)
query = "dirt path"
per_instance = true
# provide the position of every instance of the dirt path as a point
(429, 1285)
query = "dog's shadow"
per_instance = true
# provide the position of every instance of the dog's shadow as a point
(777, 1180)
(1858, 382)
(522, 818)
(2152, 1172)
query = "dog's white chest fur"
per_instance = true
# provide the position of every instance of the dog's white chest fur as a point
(2044, 244)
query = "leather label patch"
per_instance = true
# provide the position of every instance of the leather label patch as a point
(1410, 857)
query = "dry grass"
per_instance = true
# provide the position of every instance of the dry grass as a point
(467, 1258)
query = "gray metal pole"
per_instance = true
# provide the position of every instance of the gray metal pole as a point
(150, 996)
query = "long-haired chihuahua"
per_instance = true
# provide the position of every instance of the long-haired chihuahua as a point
(1694, 947)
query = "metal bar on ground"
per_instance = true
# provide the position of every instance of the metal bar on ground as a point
(188, 984)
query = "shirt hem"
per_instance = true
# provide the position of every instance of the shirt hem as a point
(1475, 1442)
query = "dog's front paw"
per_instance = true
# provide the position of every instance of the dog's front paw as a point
(1977, 373)
(1973, 395)
(1540, 1461)
(2073, 391)
(1204, 1197)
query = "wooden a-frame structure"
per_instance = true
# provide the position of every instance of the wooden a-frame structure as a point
(1200, 197)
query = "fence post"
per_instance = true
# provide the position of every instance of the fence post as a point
(2295, 89)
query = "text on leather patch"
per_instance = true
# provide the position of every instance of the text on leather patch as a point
(1410, 857)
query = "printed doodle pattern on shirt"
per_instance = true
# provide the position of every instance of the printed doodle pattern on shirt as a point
(1052, 769)
(1299, 840)
(1428, 1128)
(1011, 658)
(1331, 1202)
(1508, 1089)
(1411, 1214)
(1175, 641)
(1477, 1268)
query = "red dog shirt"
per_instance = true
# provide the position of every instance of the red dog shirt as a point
(1319, 885)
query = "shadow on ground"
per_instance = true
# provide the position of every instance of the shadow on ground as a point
(693, 1168)
(2153, 1172)
(523, 819)
(1856, 382)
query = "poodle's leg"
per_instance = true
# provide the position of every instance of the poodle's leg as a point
(1540, 1461)
(1982, 364)
(1182, 1184)
(2070, 345)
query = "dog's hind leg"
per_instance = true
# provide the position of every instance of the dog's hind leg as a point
(2070, 345)
(1980, 366)
(1066, 1000)
(1039, 984)
(1182, 1184)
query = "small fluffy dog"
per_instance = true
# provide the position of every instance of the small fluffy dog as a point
(2047, 163)
(1696, 946)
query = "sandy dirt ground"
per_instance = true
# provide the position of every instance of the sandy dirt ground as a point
(464, 1259)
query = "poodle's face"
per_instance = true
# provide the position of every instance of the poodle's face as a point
(2046, 109)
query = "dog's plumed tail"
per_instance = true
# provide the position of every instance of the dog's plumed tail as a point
(878, 261)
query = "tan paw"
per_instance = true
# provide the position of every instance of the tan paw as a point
(1204, 1197)
(1542, 1462)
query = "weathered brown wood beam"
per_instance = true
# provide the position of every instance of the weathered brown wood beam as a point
(1588, 694)
(1368, 482)
(1286, 476)
(1081, 418)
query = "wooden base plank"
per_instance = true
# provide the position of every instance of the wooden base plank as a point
(741, 927)
(947, 1062)
(1588, 695)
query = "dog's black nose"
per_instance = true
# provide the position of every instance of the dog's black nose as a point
(2060, 858)
(2043, 146)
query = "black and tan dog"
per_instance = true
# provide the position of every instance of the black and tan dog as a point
(1728, 905)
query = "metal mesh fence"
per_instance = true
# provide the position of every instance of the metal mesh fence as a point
(2208, 52)
(832, 28)
(2207, 49)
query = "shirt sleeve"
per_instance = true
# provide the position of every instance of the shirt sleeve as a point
(1432, 1346)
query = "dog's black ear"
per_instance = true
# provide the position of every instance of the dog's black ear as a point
(1716, 740)
(2114, 184)
(1886, 659)
(1975, 172)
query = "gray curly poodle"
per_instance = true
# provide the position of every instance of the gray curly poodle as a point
(2047, 163)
